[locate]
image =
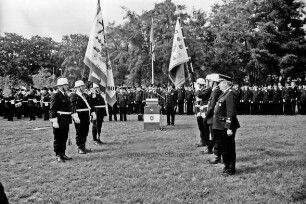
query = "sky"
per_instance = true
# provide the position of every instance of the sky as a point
(55, 18)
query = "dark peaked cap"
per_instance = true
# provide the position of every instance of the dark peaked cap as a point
(224, 78)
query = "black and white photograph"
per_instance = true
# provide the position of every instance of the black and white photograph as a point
(152, 101)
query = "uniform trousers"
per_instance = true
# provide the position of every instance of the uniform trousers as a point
(180, 104)
(123, 112)
(170, 115)
(204, 130)
(60, 139)
(228, 149)
(81, 134)
(215, 142)
(189, 107)
(46, 112)
(96, 127)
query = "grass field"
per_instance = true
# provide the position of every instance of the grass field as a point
(138, 166)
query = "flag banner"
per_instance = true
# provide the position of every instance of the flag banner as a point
(100, 68)
(152, 42)
(179, 56)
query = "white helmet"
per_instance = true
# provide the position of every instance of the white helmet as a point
(200, 81)
(213, 77)
(62, 81)
(95, 85)
(79, 83)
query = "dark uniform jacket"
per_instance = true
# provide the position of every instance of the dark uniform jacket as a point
(225, 112)
(77, 104)
(204, 95)
(60, 102)
(171, 98)
(181, 94)
(46, 99)
(139, 96)
(189, 95)
(31, 99)
(216, 92)
(122, 100)
(97, 104)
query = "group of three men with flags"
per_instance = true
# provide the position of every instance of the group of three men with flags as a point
(79, 107)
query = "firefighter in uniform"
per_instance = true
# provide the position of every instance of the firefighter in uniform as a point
(171, 104)
(60, 116)
(9, 102)
(32, 101)
(97, 101)
(82, 112)
(123, 103)
(215, 93)
(225, 123)
(202, 96)
(45, 101)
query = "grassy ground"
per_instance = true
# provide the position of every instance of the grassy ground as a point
(138, 166)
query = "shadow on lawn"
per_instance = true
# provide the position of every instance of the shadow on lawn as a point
(270, 166)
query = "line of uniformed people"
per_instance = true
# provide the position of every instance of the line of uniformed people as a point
(25, 103)
(272, 100)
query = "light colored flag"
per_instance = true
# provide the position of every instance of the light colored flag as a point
(98, 61)
(178, 58)
(152, 42)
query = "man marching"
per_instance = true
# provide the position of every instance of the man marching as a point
(98, 104)
(225, 123)
(81, 115)
(60, 116)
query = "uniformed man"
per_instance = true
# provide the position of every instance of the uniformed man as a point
(32, 102)
(215, 141)
(98, 103)
(80, 106)
(45, 103)
(123, 103)
(9, 102)
(287, 99)
(171, 104)
(246, 99)
(60, 116)
(302, 99)
(202, 94)
(139, 97)
(255, 100)
(225, 123)
(189, 97)
(18, 104)
(180, 99)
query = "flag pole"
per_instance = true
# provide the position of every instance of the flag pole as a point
(152, 70)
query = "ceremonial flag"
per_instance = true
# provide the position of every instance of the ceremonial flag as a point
(98, 61)
(152, 42)
(178, 58)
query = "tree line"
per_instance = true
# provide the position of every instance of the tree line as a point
(245, 39)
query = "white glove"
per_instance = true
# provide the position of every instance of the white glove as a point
(229, 132)
(196, 86)
(76, 118)
(54, 123)
(94, 116)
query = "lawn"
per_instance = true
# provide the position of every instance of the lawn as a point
(139, 166)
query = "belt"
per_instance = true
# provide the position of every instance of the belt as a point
(63, 113)
(82, 110)
(102, 106)
(24, 101)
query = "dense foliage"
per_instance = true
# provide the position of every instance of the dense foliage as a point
(246, 39)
